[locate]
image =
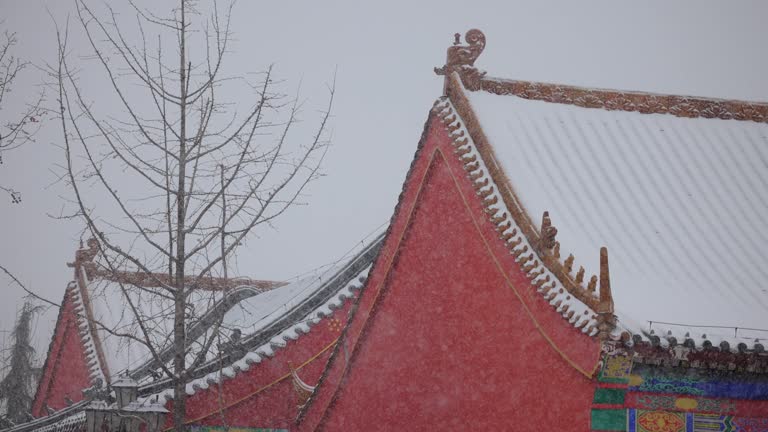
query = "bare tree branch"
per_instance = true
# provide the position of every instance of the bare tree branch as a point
(28, 291)
(209, 171)
(17, 128)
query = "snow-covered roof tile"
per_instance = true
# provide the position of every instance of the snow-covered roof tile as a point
(303, 288)
(675, 187)
(98, 371)
(677, 201)
(577, 312)
(117, 308)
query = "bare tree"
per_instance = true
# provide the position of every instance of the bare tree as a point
(18, 127)
(191, 163)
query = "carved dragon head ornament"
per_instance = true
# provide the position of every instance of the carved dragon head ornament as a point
(461, 58)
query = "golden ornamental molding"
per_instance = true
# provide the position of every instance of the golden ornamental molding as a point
(461, 59)
(615, 100)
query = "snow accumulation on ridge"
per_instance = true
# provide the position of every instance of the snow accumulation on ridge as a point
(678, 202)
(305, 287)
(578, 314)
(253, 309)
(71, 423)
(84, 328)
(113, 317)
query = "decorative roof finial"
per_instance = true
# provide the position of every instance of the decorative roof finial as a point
(461, 59)
(85, 255)
(606, 298)
(606, 319)
(548, 233)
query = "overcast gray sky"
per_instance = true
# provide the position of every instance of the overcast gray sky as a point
(384, 52)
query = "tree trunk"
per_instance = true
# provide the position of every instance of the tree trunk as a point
(179, 331)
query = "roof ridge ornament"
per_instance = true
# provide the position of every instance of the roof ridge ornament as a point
(624, 100)
(547, 241)
(461, 59)
(84, 256)
(606, 319)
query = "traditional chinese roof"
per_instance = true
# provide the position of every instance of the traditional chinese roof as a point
(238, 305)
(674, 187)
(270, 324)
(98, 325)
(265, 319)
(114, 304)
(579, 310)
(69, 419)
(457, 282)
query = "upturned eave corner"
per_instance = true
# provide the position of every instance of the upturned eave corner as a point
(543, 239)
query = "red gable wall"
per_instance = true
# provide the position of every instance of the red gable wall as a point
(65, 373)
(264, 396)
(448, 331)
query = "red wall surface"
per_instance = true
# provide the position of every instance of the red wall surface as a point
(449, 333)
(261, 397)
(66, 371)
(264, 396)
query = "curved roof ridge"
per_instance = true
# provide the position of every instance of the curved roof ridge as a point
(461, 59)
(330, 294)
(538, 255)
(276, 342)
(199, 327)
(547, 250)
(86, 257)
(627, 100)
(94, 351)
(73, 416)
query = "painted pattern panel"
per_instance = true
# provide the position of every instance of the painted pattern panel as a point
(722, 384)
(670, 421)
(642, 398)
(656, 421)
(675, 402)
